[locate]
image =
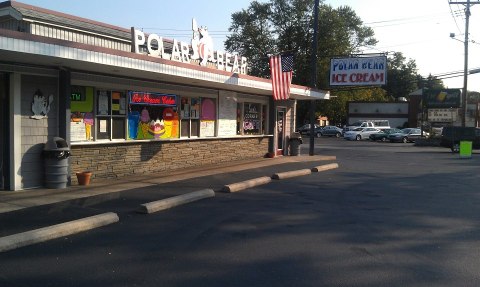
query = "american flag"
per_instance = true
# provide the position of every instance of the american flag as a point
(281, 69)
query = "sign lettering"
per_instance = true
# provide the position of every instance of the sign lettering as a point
(156, 99)
(201, 49)
(364, 71)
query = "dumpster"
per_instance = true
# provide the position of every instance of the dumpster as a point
(56, 153)
(294, 143)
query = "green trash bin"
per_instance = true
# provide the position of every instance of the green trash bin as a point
(465, 149)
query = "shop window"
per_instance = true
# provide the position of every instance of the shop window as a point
(264, 120)
(239, 118)
(190, 117)
(152, 116)
(252, 118)
(82, 122)
(208, 117)
(111, 115)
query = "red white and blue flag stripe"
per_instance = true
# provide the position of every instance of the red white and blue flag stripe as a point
(281, 69)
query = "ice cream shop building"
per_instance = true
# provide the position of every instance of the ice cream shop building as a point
(127, 102)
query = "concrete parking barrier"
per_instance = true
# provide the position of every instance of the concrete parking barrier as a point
(55, 231)
(325, 167)
(293, 173)
(234, 187)
(170, 202)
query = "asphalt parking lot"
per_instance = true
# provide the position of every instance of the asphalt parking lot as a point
(391, 214)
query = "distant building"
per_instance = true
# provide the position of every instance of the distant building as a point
(397, 113)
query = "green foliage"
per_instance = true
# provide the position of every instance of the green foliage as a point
(401, 76)
(252, 36)
(287, 25)
(431, 82)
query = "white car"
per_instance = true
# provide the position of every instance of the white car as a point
(360, 133)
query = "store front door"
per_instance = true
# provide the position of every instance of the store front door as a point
(4, 131)
(280, 120)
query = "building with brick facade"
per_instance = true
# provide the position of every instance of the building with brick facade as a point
(127, 103)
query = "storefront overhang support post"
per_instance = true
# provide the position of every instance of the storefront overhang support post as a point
(314, 78)
(271, 126)
(64, 93)
(64, 111)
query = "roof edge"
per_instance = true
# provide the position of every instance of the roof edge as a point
(16, 4)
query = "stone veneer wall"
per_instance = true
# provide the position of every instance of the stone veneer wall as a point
(138, 158)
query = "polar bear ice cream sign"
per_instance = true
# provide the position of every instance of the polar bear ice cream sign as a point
(201, 49)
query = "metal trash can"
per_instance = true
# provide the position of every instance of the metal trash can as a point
(56, 153)
(295, 142)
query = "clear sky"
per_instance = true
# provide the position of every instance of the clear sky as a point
(420, 29)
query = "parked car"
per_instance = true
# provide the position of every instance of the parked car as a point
(360, 133)
(331, 131)
(451, 137)
(379, 124)
(306, 128)
(383, 135)
(406, 135)
(317, 131)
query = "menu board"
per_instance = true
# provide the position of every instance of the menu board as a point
(77, 131)
(207, 128)
(251, 118)
(227, 118)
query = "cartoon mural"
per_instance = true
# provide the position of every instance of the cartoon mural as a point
(144, 125)
(88, 121)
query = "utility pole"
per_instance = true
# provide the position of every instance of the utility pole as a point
(314, 78)
(467, 4)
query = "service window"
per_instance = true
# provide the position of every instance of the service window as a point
(111, 115)
(208, 117)
(152, 116)
(190, 117)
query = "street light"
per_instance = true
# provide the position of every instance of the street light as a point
(474, 71)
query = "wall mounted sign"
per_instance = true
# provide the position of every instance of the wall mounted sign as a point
(40, 105)
(442, 115)
(153, 99)
(445, 98)
(358, 71)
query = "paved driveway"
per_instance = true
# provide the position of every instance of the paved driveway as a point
(391, 215)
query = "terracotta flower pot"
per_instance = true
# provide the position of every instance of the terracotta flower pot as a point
(84, 177)
(270, 155)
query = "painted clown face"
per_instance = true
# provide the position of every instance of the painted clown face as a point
(157, 128)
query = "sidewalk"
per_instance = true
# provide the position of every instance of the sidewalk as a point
(16, 200)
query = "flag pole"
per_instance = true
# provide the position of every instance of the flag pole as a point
(314, 78)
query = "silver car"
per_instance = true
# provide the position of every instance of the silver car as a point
(360, 133)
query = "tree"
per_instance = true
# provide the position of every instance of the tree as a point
(401, 76)
(252, 37)
(287, 25)
(431, 82)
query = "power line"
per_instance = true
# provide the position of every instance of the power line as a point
(453, 16)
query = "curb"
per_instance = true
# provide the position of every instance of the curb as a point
(234, 187)
(293, 173)
(325, 167)
(170, 202)
(55, 231)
